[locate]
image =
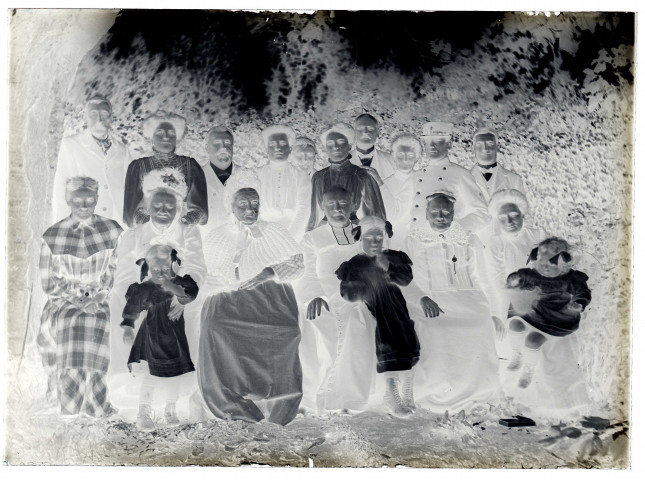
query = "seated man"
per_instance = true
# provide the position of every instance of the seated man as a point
(358, 181)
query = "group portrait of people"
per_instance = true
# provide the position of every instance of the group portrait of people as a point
(387, 281)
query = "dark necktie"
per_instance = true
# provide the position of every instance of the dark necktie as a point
(367, 161)
(488, 175)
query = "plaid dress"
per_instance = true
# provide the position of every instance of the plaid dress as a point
(76, 259)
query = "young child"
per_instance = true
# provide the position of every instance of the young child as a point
(161, 339)
(546, 303)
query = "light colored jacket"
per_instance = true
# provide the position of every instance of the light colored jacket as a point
(502, 179)
(381, 162)
(80, 155)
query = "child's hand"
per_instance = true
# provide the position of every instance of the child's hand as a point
(176, 310)
(128, 335)
(574, 307)
(169, 286)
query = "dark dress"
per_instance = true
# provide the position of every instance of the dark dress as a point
(549, 315)
(196, 200)
(160, 341)
(397, 345)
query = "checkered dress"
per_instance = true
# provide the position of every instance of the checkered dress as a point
(76, 256)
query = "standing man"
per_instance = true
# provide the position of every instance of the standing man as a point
(364, 153)
(96, 153)
(358, 181)
(284, 188)
(219, 146)
(489, 176)
(470, 208)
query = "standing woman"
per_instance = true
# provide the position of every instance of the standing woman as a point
(76, 265)
(165, 130)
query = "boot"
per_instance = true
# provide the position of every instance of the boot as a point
(171, 414)
(526, 378)
(393, 401)
(407, 390)
(531, 357)
(516, 361)
(144, 418)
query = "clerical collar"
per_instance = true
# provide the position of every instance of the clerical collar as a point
(365, 152)
(487, 167)
(343, 235)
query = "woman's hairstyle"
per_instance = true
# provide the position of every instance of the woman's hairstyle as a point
(407, 140)
(506, 196)
(240, 179)
(343, 128)
(97, 100)
(77, 183)
(151, 123)
(305, 141)
(277, 129)
(370, 222)
(167, 179)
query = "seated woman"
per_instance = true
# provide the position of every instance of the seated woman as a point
(458, 364)
(249, 367)
(76, 265)
(165, 130)
(374, 277)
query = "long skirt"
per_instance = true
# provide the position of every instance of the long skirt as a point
(249, 366)
(458, 366)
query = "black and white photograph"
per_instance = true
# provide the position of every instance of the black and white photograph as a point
(320, 238)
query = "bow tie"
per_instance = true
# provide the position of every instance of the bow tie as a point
(104, 143)
(487, 175)
(366, 161)
(487, 167)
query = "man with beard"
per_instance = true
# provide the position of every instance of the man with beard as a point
(219, 146)
(442, 174)
(364, 153)
(97, 153)
(358, 181)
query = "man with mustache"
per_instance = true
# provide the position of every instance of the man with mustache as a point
(441, 174)
(285, 188)
(364, 153)
(97, 153)
(219, 146)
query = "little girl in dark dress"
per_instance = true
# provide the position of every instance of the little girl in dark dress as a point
(374, 277)
(161, 339)
(546, 304)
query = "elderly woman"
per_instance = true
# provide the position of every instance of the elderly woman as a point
(398, 189)
(249, 367)
(361, 182)
(76, 265)
(165, 130)
(164, 202)
(376, 276)
(458, 364)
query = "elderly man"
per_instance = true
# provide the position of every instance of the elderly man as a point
(364, 152)
(337, 348)
(98, 153)
(284, 188)
(398, 189)
(219, 146)
(358, 181)
(489, 176)
(442, 174)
